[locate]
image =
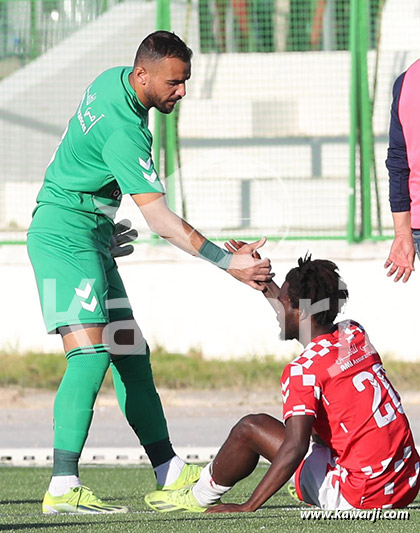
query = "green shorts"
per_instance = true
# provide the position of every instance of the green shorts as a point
(77, 278)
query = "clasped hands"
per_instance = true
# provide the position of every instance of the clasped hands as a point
(247, 265)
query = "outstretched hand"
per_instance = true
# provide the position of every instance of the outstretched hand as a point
(247, 265)
(401, 258)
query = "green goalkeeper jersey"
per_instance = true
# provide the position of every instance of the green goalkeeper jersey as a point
(104, 152)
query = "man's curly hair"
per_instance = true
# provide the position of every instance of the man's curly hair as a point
(314, 281)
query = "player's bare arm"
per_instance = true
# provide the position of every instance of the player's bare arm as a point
(401, 257)
(165, 223)
(298, 430)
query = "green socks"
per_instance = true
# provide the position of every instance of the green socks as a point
(73, 407)
(140, 403)
(137, 397)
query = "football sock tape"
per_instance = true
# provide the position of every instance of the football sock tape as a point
(206, 491)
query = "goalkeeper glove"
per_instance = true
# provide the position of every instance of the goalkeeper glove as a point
(123, 234)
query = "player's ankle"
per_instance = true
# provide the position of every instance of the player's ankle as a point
(60, 485)
(169, 472)
(206, 491)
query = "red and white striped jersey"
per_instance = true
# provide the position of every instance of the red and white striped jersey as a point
(339, 379)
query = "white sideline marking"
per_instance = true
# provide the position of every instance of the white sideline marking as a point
(100, 456)
(189, 515)
(105, 456)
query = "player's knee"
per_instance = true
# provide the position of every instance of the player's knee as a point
(248, 426)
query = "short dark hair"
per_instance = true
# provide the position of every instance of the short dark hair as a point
(317, 280)
(161, 44)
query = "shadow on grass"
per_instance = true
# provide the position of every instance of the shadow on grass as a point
(216, 516)
(11, 501)
(43, 525)
(39, 500)
(178, 517)
(289, 506)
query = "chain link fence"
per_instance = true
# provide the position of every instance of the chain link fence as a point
(265, 128)
(263, 134)
(30, 27)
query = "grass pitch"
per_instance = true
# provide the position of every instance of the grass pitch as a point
(22, 490)
(176, 371)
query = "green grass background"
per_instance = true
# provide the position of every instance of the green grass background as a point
(176, 371)
(22, 489)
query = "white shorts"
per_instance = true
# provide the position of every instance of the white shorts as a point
(313, 480)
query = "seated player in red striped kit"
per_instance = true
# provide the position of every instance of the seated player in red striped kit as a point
(345, 438)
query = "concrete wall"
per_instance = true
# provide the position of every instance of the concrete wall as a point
(182, 302)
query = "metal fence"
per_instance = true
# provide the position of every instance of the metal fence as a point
(30, 27)
(281, 112)
(284, 127)
(279, 25)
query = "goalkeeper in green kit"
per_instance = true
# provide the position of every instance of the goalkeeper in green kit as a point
(104, 153)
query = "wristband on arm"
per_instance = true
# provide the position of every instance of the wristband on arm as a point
(216, 255)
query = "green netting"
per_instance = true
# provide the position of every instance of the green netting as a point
(268, 113)
(263, 135)
(278, 25)
(236, 26)
(30, 27)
